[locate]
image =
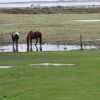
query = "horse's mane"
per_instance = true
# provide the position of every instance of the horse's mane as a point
(16, 33)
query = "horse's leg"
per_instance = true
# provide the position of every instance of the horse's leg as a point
(36, 44)
(16, 46)
(27, 45)
(13, 42)
(36, 47)
(40, 41)
(31, 44)
(40, 47)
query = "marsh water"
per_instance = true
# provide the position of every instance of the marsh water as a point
(69, 21)
(48, 4)
(46, 47)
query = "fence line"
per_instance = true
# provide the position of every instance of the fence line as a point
(5, 39)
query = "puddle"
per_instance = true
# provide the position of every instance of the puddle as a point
(9, 24)
(7, 66)
(46, 47)
(52, 64)
(92, 20)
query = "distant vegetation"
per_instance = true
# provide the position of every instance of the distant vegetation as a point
(50, 10)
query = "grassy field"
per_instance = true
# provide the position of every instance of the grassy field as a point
(25, 82)
(55, 27)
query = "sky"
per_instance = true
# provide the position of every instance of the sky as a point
(13, 0)
(35, 0)
(21, 0)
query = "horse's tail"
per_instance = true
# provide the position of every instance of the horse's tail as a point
(28, 42)
(12, 36)
(27, 39)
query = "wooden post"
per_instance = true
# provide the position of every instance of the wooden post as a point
(81, 44)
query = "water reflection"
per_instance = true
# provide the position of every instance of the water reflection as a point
(84, 21)
(76, 3)
(45, 47)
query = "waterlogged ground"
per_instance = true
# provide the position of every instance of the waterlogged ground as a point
(42, 64)
(7, 67)
(46, 47)
(81, 20)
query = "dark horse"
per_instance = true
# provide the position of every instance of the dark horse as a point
(34, 35)
(15, 38)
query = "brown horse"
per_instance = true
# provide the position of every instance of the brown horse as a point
(15, 38)
(34, 35)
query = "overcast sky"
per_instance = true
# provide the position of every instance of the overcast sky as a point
(22, 0)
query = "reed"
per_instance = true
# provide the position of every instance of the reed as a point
(51, 10)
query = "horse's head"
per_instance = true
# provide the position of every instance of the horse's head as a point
(16, 33)
(15, 36)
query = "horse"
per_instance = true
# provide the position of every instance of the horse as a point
(15, 38)
(34, 35)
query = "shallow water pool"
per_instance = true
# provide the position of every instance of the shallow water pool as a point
(46, 47)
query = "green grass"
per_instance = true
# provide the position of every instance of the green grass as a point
(25, 82)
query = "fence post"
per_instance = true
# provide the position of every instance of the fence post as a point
(81, 44)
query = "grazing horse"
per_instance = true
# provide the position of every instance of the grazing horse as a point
(34, 35)
(15, 38)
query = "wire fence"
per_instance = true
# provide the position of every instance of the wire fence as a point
(51, 44)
